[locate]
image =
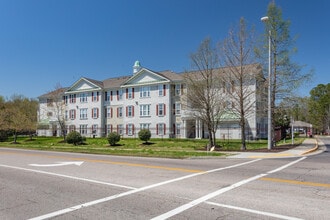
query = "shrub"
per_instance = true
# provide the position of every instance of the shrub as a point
(3, 135)
(113, 138)
(144, 135)
(74, 138)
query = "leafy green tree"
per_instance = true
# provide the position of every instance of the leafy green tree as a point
(113, 138)
(144, 135)
(18, 115)
(319, 107)
(287, 75)
(74, 138)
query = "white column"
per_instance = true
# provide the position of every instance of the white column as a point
(184, 135)
(198, 129)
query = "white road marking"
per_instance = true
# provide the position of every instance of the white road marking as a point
(285, 166)
(218, 192)
(58, 164)
(67, 176)
(254, 211)
(106, 199)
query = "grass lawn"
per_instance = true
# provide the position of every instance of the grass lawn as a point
(167, 148)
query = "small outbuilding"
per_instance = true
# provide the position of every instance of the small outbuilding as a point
(302, 127)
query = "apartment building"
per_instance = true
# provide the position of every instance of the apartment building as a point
(144, 99)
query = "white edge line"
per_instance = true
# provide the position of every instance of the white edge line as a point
(206, 197)
(67, 176)
(254, 211)
(287, 165)
(73, 208)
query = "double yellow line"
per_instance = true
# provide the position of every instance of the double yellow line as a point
(295, 182)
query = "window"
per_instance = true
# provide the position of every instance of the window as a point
(94, 129)
(72, 98)
(177, 108)
(66, 115)
(65, 99)
(130, 129)
(95, 96)
(83, 129)
(72, 128)
(106, 96)
(145, 91)
(95, 113)
(120, 94)
(108, 128)
(108, 112)
(178, 129)
(144, 126)
(177, 89)
(144, 110)
(83, 113)
(130, 111)
(160, 129)
(120, 129)
(162, 90)
(119, 112)
(130, 93)
(83, 97)
(160, 109)
(72, 114)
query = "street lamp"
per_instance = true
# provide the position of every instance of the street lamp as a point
(266, 19)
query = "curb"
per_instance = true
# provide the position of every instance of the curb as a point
(313, 149)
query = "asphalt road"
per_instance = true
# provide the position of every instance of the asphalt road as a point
(43, 185)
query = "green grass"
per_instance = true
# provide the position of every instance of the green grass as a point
(167, 148)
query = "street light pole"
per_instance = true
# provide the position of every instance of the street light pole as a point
(265, 19)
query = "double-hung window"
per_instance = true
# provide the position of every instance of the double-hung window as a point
(94, 129)
(160, 109)
(83, 97)
(177, 89)
(72, 114)
(107, 96)
(161, 90)
(130, 129)
(83, 129)
(119, 112)
(177, 108)
(83, 113)
(95, 113)
(144, 110)
(160, 129)
(144, 91)
(72, 98)
(130, 111)
(144, 126)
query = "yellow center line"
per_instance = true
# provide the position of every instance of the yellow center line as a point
(111, 162)
(296, 182)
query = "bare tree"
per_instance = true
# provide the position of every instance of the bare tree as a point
(203, 88)
(238, 52)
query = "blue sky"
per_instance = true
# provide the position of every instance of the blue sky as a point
(45, 42)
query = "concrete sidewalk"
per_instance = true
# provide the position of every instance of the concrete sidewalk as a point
(309, 146)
